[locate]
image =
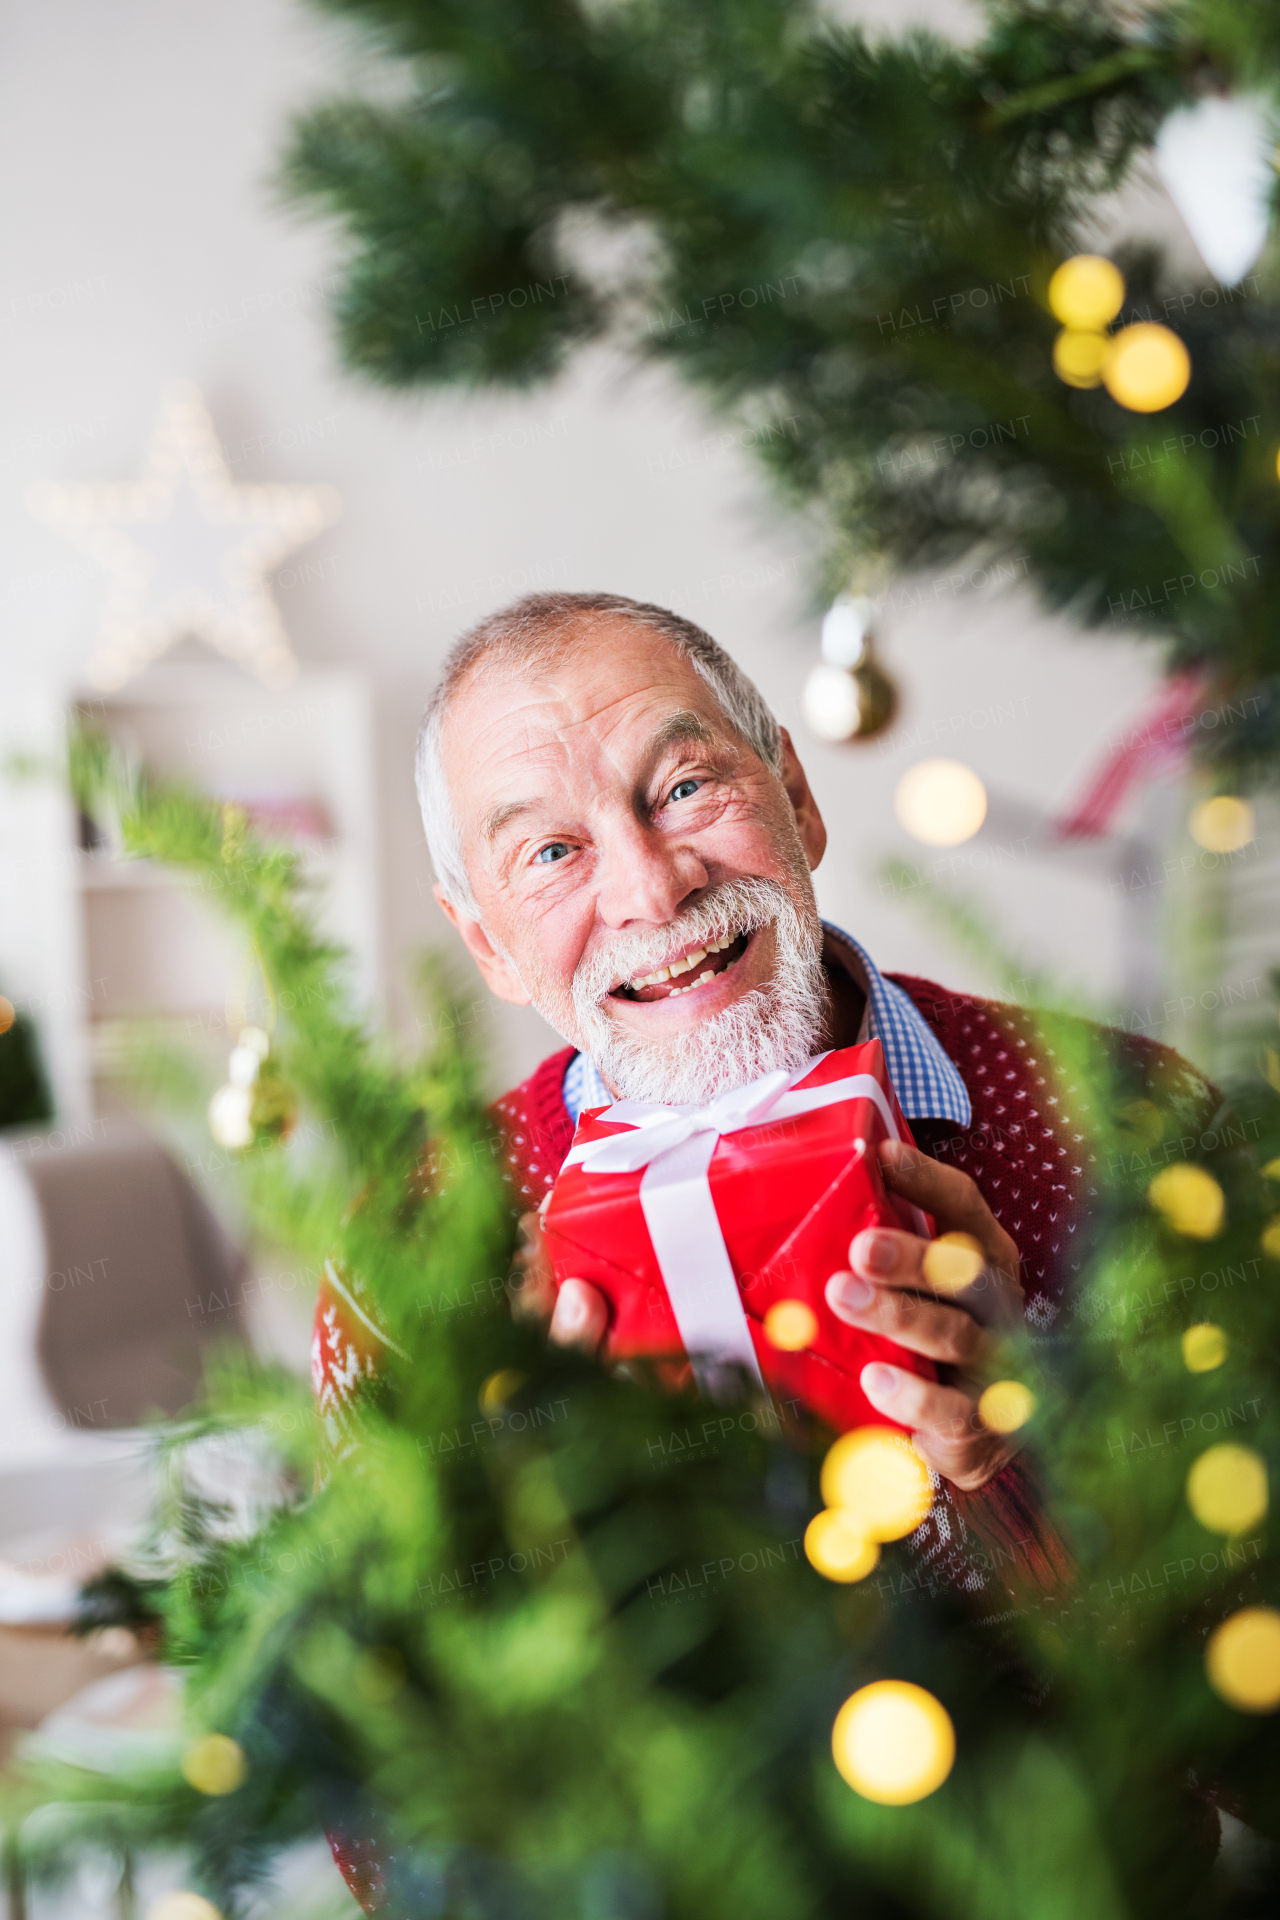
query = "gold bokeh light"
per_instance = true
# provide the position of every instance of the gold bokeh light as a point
(1078, 358)
(879, 1482)
(500, 1389)
(790, 1326)
(1146, 368)
(214, 1764)
(1190, 1200)
(1242, 1660)
(1204, 1347)
(940, 802)
(952, 1262)
(893, 1742)
(1006, 1405)
(837, 1547)
(1227, 1488)
(183, 1905)
(1086, 292)
(1223, 824)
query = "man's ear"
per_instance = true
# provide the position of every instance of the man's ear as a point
(499, 975)
(809, 824)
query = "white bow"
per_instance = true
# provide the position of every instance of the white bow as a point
(674, 1145)
(657, 1130)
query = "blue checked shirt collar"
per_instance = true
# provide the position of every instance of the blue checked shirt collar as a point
(925, 1078)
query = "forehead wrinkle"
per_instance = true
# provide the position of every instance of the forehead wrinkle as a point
(549, 724)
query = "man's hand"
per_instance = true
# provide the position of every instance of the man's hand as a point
(890, 1292)
(886, 1292)
(578, 1316)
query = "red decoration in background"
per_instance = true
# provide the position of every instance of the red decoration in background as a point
(1159, 743)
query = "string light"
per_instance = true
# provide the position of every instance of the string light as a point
(8, 1014)
(879, 1482)
(214, 1764)
(1204, 1347)
(136, 531)
(181, 1905)
(1223, 824)
(1190, 1200)
(1006, 1405)
(838, 1548)
(790, 1326)
(1242, 1660)
(1146, 368)
(952, 1262)
(1078, 358)
(500, 1389)
(893, 1742)
(940, 802)
(1086, 292)
(1227, 1488)
(1270, 1238)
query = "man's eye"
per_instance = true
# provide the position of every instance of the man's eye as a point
(545, 855)
(684, 789)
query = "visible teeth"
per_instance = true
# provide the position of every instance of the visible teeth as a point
(651, 979)
(685, 965)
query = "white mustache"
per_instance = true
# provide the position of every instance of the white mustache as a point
(739, 906)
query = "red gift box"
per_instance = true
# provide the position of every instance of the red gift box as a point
(693, 1222)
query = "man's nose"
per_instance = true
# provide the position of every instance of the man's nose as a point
(644, 876)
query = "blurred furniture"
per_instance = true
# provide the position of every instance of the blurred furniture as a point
(89, 943)
(114, 1276)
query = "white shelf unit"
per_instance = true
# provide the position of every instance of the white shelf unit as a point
(149, 944)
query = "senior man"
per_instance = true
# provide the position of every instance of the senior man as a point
(623, 837)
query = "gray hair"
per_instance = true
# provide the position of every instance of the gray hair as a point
(525, 636)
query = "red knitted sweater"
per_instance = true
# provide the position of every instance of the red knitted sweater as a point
(1026, 1148)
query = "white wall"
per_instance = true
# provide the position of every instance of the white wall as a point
(143, 242)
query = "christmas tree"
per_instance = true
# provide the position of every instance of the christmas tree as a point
(534, 1638)
(848, 246)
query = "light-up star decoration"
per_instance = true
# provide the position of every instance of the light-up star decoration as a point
(188, 550)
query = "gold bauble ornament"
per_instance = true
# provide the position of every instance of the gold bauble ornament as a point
(848, 695)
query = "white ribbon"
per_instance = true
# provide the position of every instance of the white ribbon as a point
(674, 1145)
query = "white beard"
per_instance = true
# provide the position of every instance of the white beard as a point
(777, 1025)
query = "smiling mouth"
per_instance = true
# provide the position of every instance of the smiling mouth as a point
(688, 971)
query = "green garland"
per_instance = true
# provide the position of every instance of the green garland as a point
(845, 246)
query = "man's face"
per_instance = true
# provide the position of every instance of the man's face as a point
(642, 876)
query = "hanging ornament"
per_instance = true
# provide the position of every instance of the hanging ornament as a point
(848, 695)
(255, 1100)
(1215, 160)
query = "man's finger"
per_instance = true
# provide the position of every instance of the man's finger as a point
(951, 1197)
(944, 1333)
(922, 1405)
(581, 1317)
(890, 1259)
